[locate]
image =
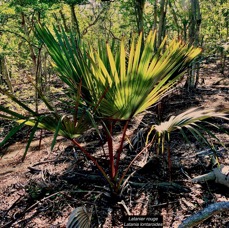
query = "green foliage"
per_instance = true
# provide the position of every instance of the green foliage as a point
(108, 82)
(115, 90)
(75, 2)
(215, 25)
(107, 85)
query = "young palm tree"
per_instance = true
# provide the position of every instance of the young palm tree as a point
(106, 85)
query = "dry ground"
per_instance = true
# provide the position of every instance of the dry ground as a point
(44, 189)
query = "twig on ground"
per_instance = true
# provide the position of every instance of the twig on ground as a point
(185, 173)
(30, 208)
(163, 204)
(12, 206)
(125, 207)
(49, 161)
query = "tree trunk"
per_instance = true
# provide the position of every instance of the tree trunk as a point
(175, 18)
(194, 30)
(139, 12)
(4, 74)
(155, 21)
(75, 23)
(162, 21)
(155, 15)
(26, 32)
(185, 28)
(33, 56)
(219, 175)
(57, 22)
(64, 21)
(195, 21)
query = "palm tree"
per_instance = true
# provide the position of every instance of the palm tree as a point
(107, 85)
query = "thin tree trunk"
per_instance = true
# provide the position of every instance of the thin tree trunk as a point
(194, 30)
(204, 214)
(162, 19)
(57, 21)
(33, 56)
(139, 13)
(175, 18)
(75, 23)
(139, 10)
(155, 15)
(64, 21)
(4, 74)
(26, 32)
(195, 21)
(185, 30)
(155, 21)
(45, 73)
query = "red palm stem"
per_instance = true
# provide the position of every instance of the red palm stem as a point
(93, 160)
(119, 151)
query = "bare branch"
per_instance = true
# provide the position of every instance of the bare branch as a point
(94, 22)
(204, 214)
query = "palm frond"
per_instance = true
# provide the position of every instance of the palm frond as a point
(118, 84)
(189, 117)
(191, 120)
(80, 218)
(147, 78)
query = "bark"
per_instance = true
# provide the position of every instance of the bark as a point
(185, 29)
(57, 22)
(155, 21)
(155, 15)
(162, 21)
(194, 30)
(26, 32)
(206, 213)
(139, 13)
(139, 10)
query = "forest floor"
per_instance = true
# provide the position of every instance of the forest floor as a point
(43, 190)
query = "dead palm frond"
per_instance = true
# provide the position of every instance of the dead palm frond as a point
(192, 120)
(80, 218)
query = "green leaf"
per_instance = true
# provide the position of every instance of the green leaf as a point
(56, 134)
(12, 132)
(21, 104)
(34, 129)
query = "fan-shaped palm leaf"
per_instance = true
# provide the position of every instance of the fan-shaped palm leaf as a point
(119, 85)
(148, 76)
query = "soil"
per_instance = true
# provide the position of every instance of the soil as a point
(43, 190)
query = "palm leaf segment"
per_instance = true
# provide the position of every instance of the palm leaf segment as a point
(120, 85)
